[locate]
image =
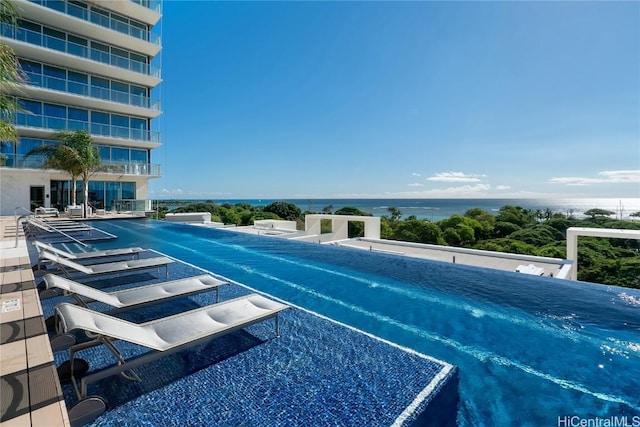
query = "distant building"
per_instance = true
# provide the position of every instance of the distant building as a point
(89, 65)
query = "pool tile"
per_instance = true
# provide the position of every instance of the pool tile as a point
(14, 357)
(12, 276)
(23, 420)
(21, 329)
(53, 415)
(31, 303)
(38, 350)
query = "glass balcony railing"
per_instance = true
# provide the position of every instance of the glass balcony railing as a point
(130, 168)
(76, 49)
(83, 89)
(131, 205)
(20, 161)
(149, 4)
(57, 123)
(104, 19)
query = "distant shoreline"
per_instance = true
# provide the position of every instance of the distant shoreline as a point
(437, 209)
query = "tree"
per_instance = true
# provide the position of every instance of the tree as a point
(350, 210)
(465, 229)
(539, 235)
(284, 210)
(396, 214)
(10, 76)
(598, 213)
(503, 229)
(516, 215)
(419, 231)
(486, 220)
(76, 155)
(229, 216)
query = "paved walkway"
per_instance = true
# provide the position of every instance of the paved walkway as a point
(30, 389)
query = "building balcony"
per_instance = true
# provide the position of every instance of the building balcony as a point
(83, 51)
(54, 124)
(67, 91)
(148, 11)
(101, 19)
(153, 5)
(20, 161)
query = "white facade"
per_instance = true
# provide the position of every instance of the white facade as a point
(92, 66)
(574, 232)
(340, 225)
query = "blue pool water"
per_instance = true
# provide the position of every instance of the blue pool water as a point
(529, 349)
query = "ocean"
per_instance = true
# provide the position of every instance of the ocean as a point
(437, 209)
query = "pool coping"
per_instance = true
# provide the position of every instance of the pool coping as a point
(28, 374)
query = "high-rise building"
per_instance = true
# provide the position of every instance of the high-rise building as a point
(91, 65)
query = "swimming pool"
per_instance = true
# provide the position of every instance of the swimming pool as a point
(530, 350)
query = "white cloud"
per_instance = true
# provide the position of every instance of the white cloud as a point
(621, 176)
(415, 174)
(463, 191)
(454, 177)
(503, 187)
(604, 177)
(416, 184)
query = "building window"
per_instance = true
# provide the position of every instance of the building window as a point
(119, 154)
(100, 123)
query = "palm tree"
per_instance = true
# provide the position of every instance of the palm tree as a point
(76, 155)
(10, 76)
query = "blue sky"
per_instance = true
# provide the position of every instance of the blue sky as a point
(399, 99)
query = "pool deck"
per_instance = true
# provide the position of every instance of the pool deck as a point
(31, 392)
(318, 372)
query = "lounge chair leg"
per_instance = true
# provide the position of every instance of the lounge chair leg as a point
(71, 369)
(62, 342)
(87, 410)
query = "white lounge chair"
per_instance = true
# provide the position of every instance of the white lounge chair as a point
(136, 296)
(530, 269)
(133, 251)
(109, 267)
(42, 211)
(166, 336)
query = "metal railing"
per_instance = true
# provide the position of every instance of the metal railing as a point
(30, 217)
(56, 123)
(81, 50)
(18, 218)
(84, 89)
(149, 4)
(131, 205)
(51, 229)
(21, 161)
(104, 19)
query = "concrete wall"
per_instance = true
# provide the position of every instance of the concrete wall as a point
(275, 224)
(574, 232)
(190, 217)
(340, 225)
(15, 187)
